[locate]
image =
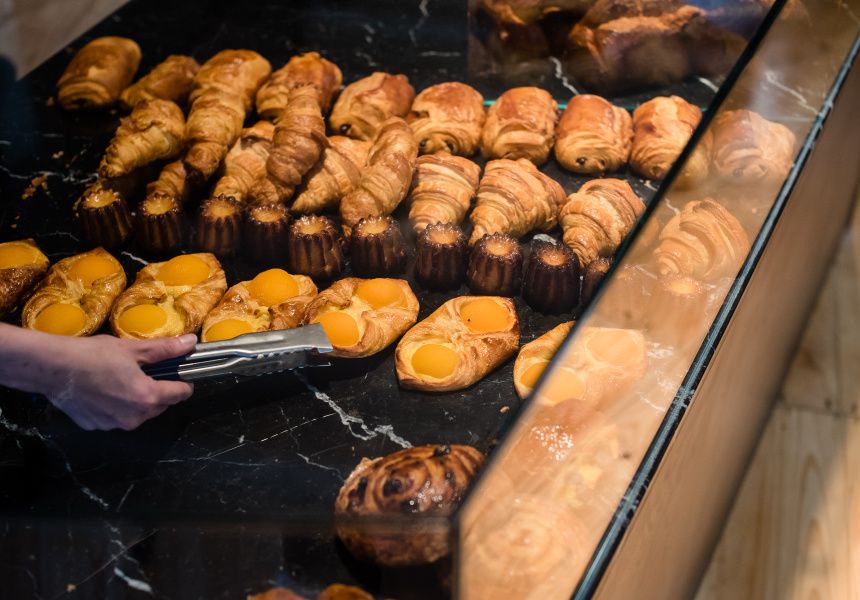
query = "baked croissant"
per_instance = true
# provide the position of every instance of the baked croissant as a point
(172, 182)
(534, 357)
(425, 480)
(661, 128)
(170, 80)
(98, 73)
(76, 295)
(448, 116)
(386, 180)
(153, 131)
(598, 217)
(169, 298)
(443, 186)
(22, 267)
(245, 163)
(363, 316)
(458, 344)
(365, 104)
(521, 124)
(515, 198)
(273, 300)
(703, 241)
(594, 136)
(749, 149)
(335, 174)
(309, 68)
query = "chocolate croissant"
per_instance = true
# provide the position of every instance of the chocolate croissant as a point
(303, 69)
(521, 124)
(335, 174)
(245, 163)
(515, 198)
(598, 217)
(443, 186)
(22, 267)
(98, 73)
(426, 480)
(365, 104)
(594, 136)
(447, 117)
(170, 80)
(534, 357)
(750, 150)
(661, 128)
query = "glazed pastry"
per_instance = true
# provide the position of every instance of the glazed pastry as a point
(22, 267)
(363, 316)
(594, 136)
(245, 163)
(514, 198)
(447, 117)
(496, 266)
(441, 257)
(703, 241)
(169, 298)
(365, 104)
(303, 69)
(377, 247)
(442, 189)
(272, 300)
(314, 247)
(219, 226)
(98, 73)
(387, 178)
(751, 150)
(339, 591)
(170, 80)
(172, 182)
(534, 357)
(421, 481)
(153, 131)
(76, 295)
(551, 280)
(521, 124)
(266, 233)
(104, 217)
(598, 217)
(160, 224)
(334, 175)
(593, 277)
(458, 344)
(661, 128)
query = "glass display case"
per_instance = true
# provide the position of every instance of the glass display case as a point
(609, 466)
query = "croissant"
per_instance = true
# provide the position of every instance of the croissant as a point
(425, 480)
(515, 198)
(448, 116)
(661, 128)
(98, 73)
(309, 68)
(749, 149)
(594, 136)
(386, 180)
(76, 295)
(365, 104)
(703, 241)
(598, 217)
(172, 182)
(458, 344)
(152, 131)
(22, 267)
(363, 316)
(170, 80)
(169, 298)
(534, 357)
(334, 175)
(443, 186)
(245, 163)
(521, 124)
(273, 300)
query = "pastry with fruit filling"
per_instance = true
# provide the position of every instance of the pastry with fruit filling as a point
(534, 357)
(169, 298)
(22, 267)
(272, 300)
(460, 343)
(76, 295)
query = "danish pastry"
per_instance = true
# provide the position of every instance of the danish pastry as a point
(443, 186)
(303, 69)
(750, 150)
(363, 316)
(245, 163)
(76, 295)
(169, 80)
(365, 104)
(447, 117)
(594, 136)
(334, 175)
(458, 344)
(169, 298)
(22, 267)
(521, 124)
(534, 357)
(661, 128)
(98, 73)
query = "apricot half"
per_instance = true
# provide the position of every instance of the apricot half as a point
(340, 328)
(434, 360)
(61, 319)
(273, 287)
(531, 375)
(381, 293)
(91, 268)
(17, 255)
(186, 269)
(227, 329)
(614, 346)
(485, 315)
(143, 319)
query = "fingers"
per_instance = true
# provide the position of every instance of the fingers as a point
(157, 349)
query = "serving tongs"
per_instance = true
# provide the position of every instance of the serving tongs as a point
(248, 354)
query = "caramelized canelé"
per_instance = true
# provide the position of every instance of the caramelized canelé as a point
(496, 266)
(377, 248)
(160, 224)
(551, 282)
(219, 226)
(105, 218)
(441, 256)
(313, 247)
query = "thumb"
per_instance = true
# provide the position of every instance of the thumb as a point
(158, 349)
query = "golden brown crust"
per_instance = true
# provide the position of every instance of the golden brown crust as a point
(338, 591)
(277, 593)
(98, 73)
(447, 117)
(443, 186)
(594, 136)
(335, 174)
(239, 72)
(538, 351)
(17, 282)
(303, 69)
(365, 104)
(59, 287)
(521, 124)
(173, 182)
(171, 80)
(750, 150)
(478, 353)
(661, 128)
(245, 163)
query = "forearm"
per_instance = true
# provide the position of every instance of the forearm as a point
(26, 359)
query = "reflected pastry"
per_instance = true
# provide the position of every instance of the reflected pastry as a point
(171, 80)
(104, 217)
(496, 266)
(245, 163)
(520, 125)
(335, 174)
(750, 150)
(98, 73)
(365, 104)
(459, 344)
(377, 248)
(313, 247)
(447, 117)
(22, 267)
(625, 300)
(441, 257)
(303, 69)
(218, 227)
(534, 357)
(617, 357)
(594, 136)
(160, 224)
(551, 281)
(661, 128)
(266, 233)
(443, 186)
(677, 310)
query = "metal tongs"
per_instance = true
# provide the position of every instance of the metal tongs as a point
(248, 354)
